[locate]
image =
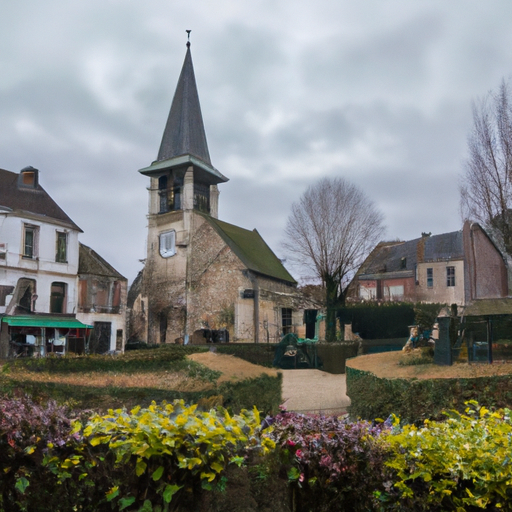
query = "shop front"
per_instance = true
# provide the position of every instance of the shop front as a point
(41, 335)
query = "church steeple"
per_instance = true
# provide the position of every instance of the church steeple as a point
(184, 140)
(184, 132)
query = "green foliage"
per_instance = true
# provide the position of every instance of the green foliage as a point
(425, 315)
(154, 457)
(227, 315)
(264, 392)
(331, 464)
(378, 320)
(459, 464)
(255, 353)
(425, 356)
(132, 361)
(415, 400)
(175, 457)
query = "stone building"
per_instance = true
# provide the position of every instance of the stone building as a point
(204, 279)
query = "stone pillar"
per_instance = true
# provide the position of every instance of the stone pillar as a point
(188, 189)
(214, 201)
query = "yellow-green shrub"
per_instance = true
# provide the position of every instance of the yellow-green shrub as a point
(157, 454)
(459, 464)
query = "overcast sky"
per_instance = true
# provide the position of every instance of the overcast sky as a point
(376, 91)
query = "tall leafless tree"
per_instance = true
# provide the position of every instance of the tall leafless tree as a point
(330, 231)
(486, 187)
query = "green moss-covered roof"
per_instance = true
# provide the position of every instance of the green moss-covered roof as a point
(489, 307)
(251, 249)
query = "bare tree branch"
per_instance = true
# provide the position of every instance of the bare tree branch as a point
(330, 230)
(486, 183)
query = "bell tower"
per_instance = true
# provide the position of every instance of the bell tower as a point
(183, 184)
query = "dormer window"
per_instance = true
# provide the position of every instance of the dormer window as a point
(28, 178)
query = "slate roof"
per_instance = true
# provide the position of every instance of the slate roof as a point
(388, 256)
(30, 200)
(445, 246)
(184, 139)
(90, 262)
(251, 249)
(184, 132)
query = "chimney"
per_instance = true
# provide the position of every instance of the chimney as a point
(420, 248)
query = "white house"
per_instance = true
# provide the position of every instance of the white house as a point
(39, 267)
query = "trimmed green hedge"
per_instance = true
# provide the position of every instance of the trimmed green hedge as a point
(415, 400)
(264, 392)
(333, 355)
(255, 353)
(375, 320)
(134, 360)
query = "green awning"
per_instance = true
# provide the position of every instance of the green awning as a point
(45, 321)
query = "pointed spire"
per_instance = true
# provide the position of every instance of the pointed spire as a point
(184, 132)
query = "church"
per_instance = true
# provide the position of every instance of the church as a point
(205, 280)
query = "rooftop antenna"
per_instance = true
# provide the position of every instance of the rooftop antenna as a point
(188, 37)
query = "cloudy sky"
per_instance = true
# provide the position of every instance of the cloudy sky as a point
(376, 91)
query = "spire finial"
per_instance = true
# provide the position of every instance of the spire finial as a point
(188, 37)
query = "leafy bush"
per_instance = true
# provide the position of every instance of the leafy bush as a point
(459, 464)
(152, 457)
(425, 315)
(331, 463)
(27, 429)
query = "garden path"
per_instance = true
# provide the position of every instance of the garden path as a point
(314, 391)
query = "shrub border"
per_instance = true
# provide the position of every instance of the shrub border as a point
(415, 400)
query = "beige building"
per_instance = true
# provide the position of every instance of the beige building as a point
(450, 268)
(204, 279)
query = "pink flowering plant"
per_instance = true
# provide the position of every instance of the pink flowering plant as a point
(330, 462)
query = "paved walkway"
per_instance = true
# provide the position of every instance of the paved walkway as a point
(314, 391)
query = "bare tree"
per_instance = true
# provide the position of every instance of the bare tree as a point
(486, 187)
(330, 230)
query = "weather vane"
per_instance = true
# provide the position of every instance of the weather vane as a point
(188, 37)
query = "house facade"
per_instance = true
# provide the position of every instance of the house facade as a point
(451, 268)
(39, 267)
(102, 293)
(204, 279)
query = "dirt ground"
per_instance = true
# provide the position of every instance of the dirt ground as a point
(386, 365)
(232, 368)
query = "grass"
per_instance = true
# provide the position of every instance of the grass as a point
(135, 378)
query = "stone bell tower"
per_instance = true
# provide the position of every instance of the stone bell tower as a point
(183, 186)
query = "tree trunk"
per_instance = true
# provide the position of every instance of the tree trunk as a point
(331, 302)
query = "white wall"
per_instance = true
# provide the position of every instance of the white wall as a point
(42, 268)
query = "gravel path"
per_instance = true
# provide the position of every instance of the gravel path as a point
(314, 391)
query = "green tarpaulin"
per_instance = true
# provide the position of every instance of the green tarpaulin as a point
(44, 321)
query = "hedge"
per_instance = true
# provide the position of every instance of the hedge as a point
(415, 400)
(173, 457)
